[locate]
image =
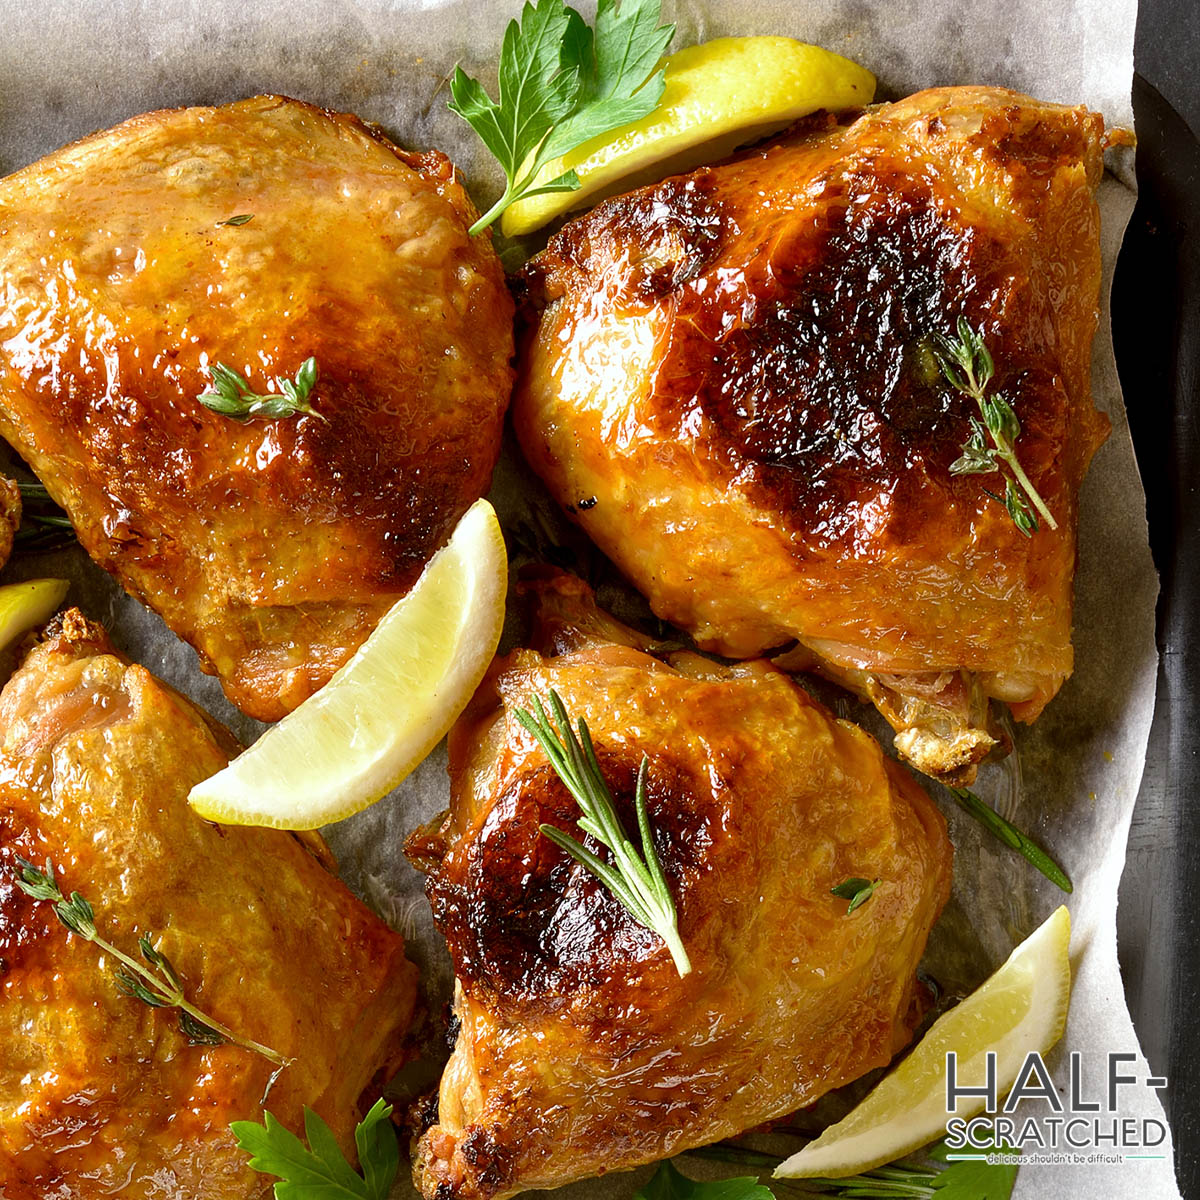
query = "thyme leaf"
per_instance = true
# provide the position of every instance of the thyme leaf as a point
(230, 394)
(857, 891)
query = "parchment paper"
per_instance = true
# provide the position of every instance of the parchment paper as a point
(67, 68)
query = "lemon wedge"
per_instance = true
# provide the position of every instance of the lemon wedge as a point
(381, 714)
(717, 96)
(24, 605)
(1020, 1009)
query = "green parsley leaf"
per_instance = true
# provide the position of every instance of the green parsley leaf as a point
(669, 1184)
(321, 1168)
(973, 1179)
(619, 82)
(560, 85)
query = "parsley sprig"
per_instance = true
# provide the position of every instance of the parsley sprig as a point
(967, 365)
(636, 880)
(669, 1183)
(155, 982)
(230, 394)
(560, 85)
(320, 1169)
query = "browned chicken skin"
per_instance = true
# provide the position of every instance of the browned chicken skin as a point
(580, 1050)
(274, 546)
(100, 1095)
(10, 516)
(730, 384)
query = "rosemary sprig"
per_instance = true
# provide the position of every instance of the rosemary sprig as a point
(1012, 837)
(907, 1179)
(41, 531)
(230, 394)
(33, 492)
(636, 880)
(968, 367)
(157, 984)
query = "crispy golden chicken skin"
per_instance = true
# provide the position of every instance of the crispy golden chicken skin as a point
(730, 384)
(100, 1095)
(580, 1050)
(273, 546)
(10, 516)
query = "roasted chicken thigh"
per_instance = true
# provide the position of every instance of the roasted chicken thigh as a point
(101, 1095)
(730, 383)
(259, 235)
(580, 1050)
(10, 516)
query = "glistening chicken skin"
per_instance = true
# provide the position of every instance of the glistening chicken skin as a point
(580, 1050)
(730, 383)
(10, 516)
(101, 1095)
(258, 234)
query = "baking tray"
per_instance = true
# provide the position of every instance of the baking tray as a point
(1156, 333)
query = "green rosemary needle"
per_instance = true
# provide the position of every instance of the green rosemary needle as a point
(967, 365)
(41, 530)
(156, 984)
(637, 881)
(1012, 837)
(229, 394)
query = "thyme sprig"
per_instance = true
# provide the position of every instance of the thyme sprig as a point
(967, 365)
(231, 396)
(156, 984)
(1012, 837)
(637, 881)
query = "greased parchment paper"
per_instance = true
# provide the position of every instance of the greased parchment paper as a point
(67, 68)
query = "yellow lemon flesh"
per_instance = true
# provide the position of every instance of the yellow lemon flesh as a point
(381, 714)
(24, 605)
(1020, 1009)
(717, 96)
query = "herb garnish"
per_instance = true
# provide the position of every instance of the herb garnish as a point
(966, 1179)
(320, 1168)
(1012, 837)
(857, 891)
(560, 86)
(968, 367)
(668, 1183)
(240, 219)
(637, 881)
(45, 530)
(157, 985)
(230, 394)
